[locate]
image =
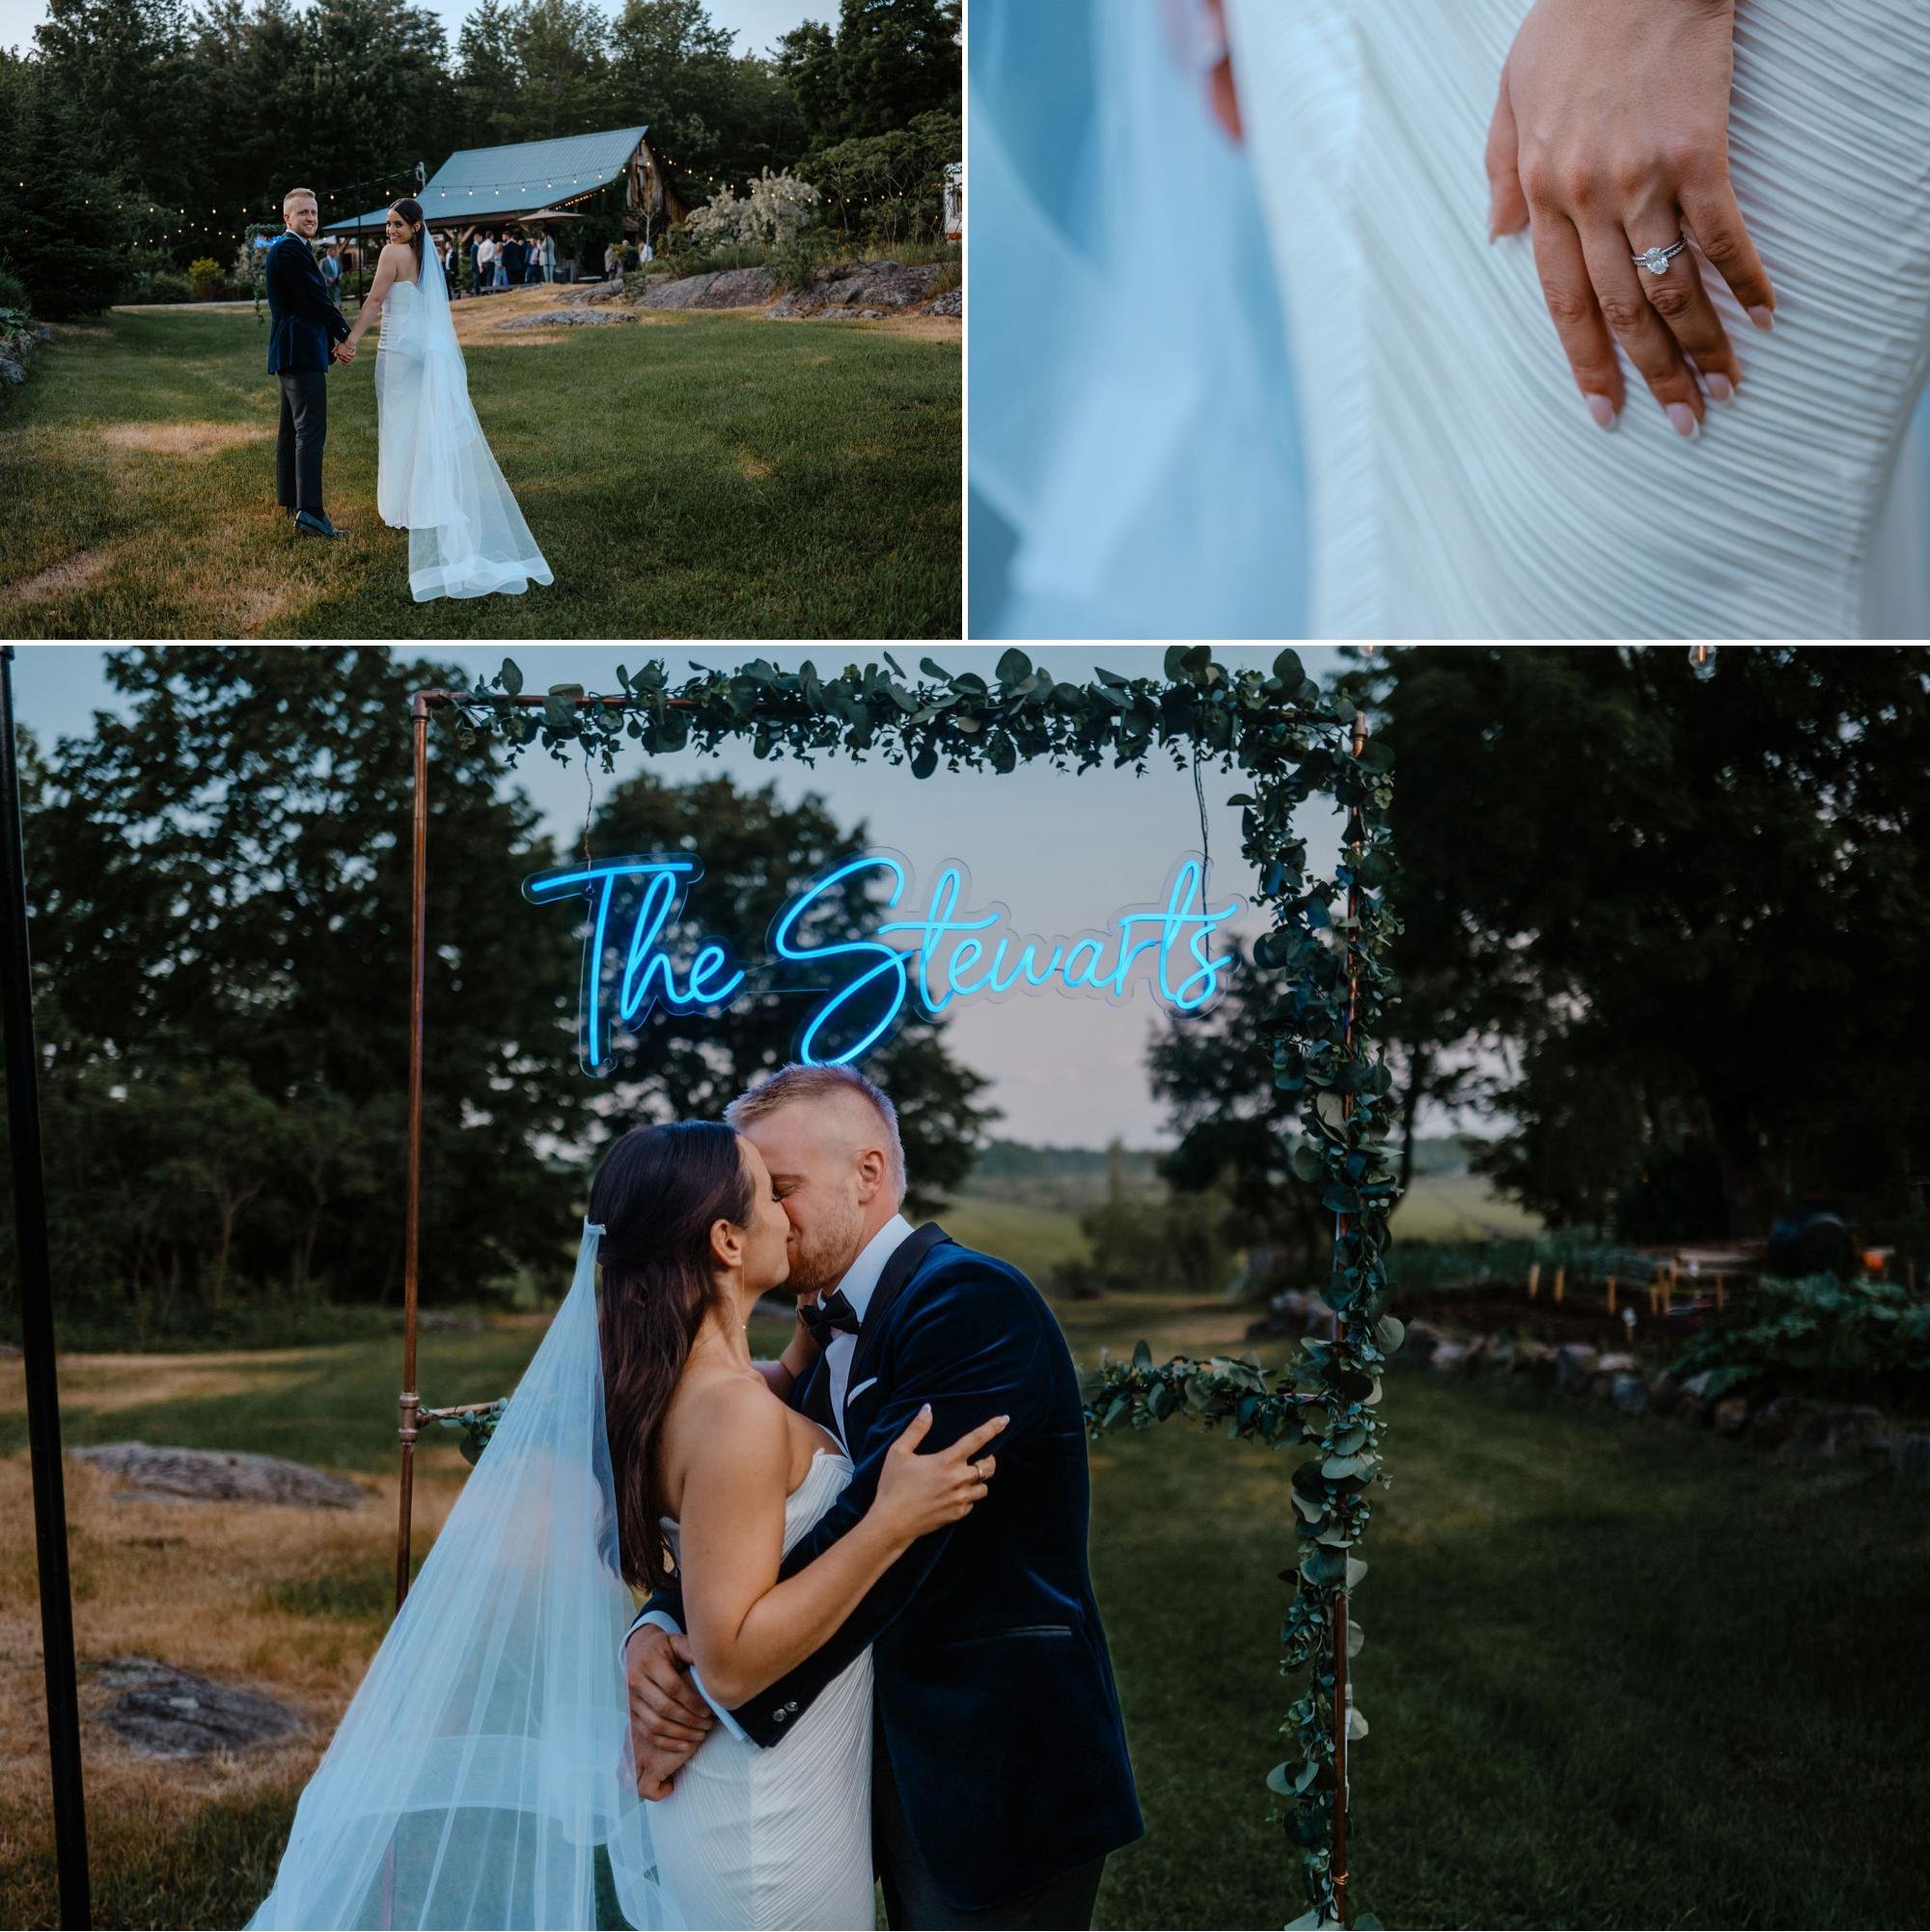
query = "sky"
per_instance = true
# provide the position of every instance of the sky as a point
(1061, 852)
(756, 24)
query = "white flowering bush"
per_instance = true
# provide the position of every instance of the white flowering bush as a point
(770, 213)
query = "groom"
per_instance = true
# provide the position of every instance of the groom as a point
(306, 330)
(1000, 1774)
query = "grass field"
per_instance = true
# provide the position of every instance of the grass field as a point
(1616, 1673)
(701, 476)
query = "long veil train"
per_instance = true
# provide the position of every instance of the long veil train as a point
(485, 1755)
(467, 536)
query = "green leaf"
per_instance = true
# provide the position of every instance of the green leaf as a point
(1014, 668)
(1142, 1357)
(924, 761)
(1287, 668)
(511, 678)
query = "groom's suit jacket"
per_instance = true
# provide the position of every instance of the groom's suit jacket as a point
(991, 1675)
(303, 324)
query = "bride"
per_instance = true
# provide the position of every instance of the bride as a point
(436, 477)
(486, 1758)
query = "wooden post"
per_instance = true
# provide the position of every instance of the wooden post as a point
(1719, 1294)
(1612, 1295)
(1533, 1279)
(1560, 1283)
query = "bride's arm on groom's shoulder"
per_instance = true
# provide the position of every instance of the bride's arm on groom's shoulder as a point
(971, 1352)
(748, 1624)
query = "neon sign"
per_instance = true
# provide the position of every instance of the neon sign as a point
(939, 957)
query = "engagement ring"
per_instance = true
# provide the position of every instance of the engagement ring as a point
(1657, 260)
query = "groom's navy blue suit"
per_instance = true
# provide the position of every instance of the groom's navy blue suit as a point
(993, 1687)
(303, 326)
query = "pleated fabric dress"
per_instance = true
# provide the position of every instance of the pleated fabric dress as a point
(1457, 488)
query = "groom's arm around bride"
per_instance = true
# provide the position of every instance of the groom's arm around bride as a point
(1001, 1768)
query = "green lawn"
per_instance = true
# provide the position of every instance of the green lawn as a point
(698, 476)
(1617, 1673)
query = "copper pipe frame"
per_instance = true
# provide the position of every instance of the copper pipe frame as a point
(409, 1404)
(1341, 1700)
(421, 704)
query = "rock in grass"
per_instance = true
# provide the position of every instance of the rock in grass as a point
(563, 319)
(1574, 1367)
(1731, 1414)
(1451, 1358)
(218, 1476)
(162, 1711)
(1629, 1393)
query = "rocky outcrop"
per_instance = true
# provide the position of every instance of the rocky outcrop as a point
(727, 289)
(15, 350)
(217, 1475)
(162, 1711)
(863, 290)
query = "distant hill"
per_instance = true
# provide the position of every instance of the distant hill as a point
(1072, 1179)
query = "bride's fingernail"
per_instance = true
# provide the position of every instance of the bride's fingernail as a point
(1684, 418)
(1603, 410)
(1720, 389)
(1762, 318)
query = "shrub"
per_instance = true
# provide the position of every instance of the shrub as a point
(204, 272)
(167, 285)
(13, 292)
(772, 210)
(1818, 1326)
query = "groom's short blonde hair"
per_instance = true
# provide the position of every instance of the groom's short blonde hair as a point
(299, 194)
(822, 1083)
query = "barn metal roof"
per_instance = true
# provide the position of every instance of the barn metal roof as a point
(476, 184)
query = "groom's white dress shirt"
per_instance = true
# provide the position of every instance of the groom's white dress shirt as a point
(859, 1284)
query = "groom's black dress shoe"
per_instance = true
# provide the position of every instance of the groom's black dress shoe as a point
(315, 525)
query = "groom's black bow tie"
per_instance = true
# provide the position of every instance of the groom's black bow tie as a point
(837, 1315)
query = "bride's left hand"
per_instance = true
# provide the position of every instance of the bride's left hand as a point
(1611, 136)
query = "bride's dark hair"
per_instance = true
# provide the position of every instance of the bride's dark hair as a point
(656, 1197)
(411, 211)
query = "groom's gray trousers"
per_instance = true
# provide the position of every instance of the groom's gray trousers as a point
(298, 446)
(913, 1901)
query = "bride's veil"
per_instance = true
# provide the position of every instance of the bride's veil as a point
(485, 1756)
(467, 536)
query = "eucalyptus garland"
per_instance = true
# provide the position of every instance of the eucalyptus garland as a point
(1326, 953)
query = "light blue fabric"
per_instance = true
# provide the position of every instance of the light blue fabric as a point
(486, 1753)
(1136, 456)
(1134, 466)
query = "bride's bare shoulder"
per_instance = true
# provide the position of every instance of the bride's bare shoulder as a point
(723, 1402)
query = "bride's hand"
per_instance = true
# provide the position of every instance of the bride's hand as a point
(1611, 136)
(918, 1494)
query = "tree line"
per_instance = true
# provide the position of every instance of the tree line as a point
(140, 135)
(219, 888)
(1672, 933)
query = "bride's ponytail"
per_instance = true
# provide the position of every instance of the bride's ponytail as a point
(411, 211)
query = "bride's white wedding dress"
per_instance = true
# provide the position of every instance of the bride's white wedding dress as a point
(757, 1837)
(1457, 488)
(436, 476)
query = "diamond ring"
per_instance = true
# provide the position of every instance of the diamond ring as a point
(1657, 260)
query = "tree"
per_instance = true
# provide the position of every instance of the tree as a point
(221, 887)
(1235, 1130)
(1709, 900)
(61, 229)
(757, 852)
